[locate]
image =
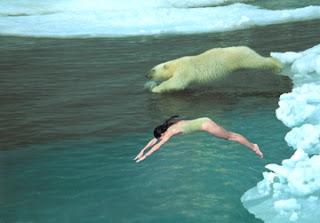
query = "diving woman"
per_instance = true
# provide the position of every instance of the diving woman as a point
(174, 126)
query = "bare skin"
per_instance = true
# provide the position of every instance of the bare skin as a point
(208, 126)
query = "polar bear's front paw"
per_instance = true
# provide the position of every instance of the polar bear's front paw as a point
(150, 85)
(156, 90)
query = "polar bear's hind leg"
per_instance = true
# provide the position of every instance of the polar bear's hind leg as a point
(252, 60)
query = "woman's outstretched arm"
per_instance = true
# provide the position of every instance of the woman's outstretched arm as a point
(155, 147)
(150, 143)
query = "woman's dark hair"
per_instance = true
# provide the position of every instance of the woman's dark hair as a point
(164, 126)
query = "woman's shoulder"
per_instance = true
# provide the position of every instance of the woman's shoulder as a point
(175, 128)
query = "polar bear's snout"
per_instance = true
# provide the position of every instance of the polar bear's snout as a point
(149, 75)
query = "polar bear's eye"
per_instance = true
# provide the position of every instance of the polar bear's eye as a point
(165, 66)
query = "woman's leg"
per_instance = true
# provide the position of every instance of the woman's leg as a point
(218, 131)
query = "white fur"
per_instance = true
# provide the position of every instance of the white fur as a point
(211, 65)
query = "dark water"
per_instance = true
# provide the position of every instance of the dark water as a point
(284, 4)
(74, 112)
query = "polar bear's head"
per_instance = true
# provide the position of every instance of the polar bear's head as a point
(162, 71)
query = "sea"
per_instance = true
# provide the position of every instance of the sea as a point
(74, 111)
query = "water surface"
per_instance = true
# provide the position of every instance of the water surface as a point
(74, 113)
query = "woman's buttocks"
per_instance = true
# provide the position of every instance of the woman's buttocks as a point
(189, 126)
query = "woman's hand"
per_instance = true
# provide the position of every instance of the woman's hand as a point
(140, 159)
(138, 156)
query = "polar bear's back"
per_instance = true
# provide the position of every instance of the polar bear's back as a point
(232, 57)
(218, 62)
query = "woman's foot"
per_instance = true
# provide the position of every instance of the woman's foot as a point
(257, 150)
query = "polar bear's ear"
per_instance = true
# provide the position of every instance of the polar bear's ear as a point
(165, 66)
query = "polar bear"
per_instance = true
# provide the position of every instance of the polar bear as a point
(211, 65)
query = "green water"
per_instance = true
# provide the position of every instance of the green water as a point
(194, 178)
(74, 113)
